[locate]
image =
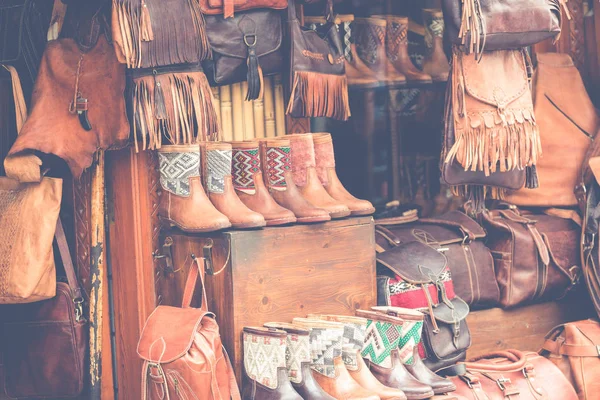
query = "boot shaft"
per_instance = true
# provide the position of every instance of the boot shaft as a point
(302, 157)
(324, 155)
(276, 162)
(383, 333)
(178, 164)
(369, 36)
(433, 20)
(410, 332)
(246, 163)
(297, 350)
(396, 40)
(216, 165)
(264, 354)
(326, 340)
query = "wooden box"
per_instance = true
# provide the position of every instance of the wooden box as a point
(276, 274)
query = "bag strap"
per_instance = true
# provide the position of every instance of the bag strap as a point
(233, 387)
(190, 284)
(65, 255)
(587, 175)
(517, 359)
(20, 105)
(571, 350)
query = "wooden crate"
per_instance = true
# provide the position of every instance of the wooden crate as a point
(276, 274)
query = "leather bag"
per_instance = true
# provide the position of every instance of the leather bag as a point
(227, 7)
(479, 25)
(319, 87)
(44, 343)
(182, 350)
(575, 349)
(461, 240)
(536, 256)
(510, 374)
(245, 48)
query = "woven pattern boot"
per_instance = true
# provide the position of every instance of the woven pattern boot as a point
(216, 165)
(306, 178)
(325, 161)
(250, 187)
(277, 175)
(382, 339)
(264, 365)
(183, 203)
(436, 62)
(326, 342)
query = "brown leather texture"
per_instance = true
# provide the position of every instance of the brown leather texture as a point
(568, 121)
(263, 203)
(425, 375)
(536, 256)
(513, 374)
(342, 386)
(309, 388)
(435, 62)
(227, 7)
(365, 378)
(573, 348)
(253, 390)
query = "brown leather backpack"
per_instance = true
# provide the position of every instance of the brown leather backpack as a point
(182, 351)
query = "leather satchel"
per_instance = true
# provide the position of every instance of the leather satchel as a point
(245, 48)
(575, 349)
(509, 374)
(319, 87)
(536, 256)
(227, 7)
(174, 339)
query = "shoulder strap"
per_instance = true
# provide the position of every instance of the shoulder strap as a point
(65, 255)
(190, 284)
(20, 106)
(587, 175)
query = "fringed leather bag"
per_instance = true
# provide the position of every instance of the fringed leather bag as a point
(317, 73)
(154, 33)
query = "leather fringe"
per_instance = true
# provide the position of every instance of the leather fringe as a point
(254, 77)
(475, 196)
(177, 106)
(321, 95)
(473, 26)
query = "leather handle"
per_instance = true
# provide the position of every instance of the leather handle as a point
(517, 358)
(65, 255)
(233, 387)
(190, 284)
(513, 215)
(20, 105)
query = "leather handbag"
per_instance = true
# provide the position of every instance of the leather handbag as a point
(461, 240)
(575, 349)
(318, 83)
(227, 7)
(536, 256)
(245, 48)
(174, 339)
(44, 343)
(509, 374)
(479, 25)
(568, 122)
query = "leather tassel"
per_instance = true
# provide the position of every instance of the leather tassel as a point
(254, 76)
(147, 33)
(531, 178)
(160, 109)
(320, 95)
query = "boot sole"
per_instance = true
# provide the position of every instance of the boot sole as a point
(444, 390)
(249, 225)
(358, 213)
(313, 220)
(172, 224)
(423, 396)
(340, 214)
(280, 221)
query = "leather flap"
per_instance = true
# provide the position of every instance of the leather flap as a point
(169, 333)
(415, 262)
(457, 219)
(263, 27)
(444, 313)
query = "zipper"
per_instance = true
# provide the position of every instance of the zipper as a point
(182, 388)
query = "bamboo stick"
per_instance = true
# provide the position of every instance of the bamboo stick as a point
(237, 108)
(226, 113)
(269, 107)
(279, 107)
(248, 111)
(259, 118)
(217, 104)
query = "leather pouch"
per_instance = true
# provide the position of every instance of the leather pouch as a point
(245, 47)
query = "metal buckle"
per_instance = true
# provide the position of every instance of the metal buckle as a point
(246, 40)
(78, 301)
(598, 350)
(501, 381)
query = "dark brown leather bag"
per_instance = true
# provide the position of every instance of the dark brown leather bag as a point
(575, 349)
(510, 374)
(245, 48)
(317, 73)
(226, 7)
(536, 256)
(44, 343)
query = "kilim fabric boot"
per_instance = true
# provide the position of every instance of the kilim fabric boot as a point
(435, 63)
(327, 364)
(409, 354)
(250, 187)
(216, 167)
(277, 175)
(396, 48)
(354, 339)
(306, 178)
(297, 358)
(382, 353)
(370, 45)
(183, 202)
(264, 365)
(325, 160)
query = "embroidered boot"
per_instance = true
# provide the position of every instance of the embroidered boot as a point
(216, 165)
(328, 367)
(183, 203)
(250, 187)
(409, 353)
(264, 365)
(370, 45)
(354, 339)
(277, 175)
(382, 353)
(435, 63)
(325, 159)
(297, 358)
(306, 178)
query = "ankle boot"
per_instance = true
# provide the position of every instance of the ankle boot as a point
(306, 178)
(381, 354)
(325, 160)
(327, 364)
(183, 203)
(436, 62)
(396, 46)
(297, 357)
(216, 158)
(354, 339)
(277, 175)
(250, 187)
(370, 45)
(264, 365)
(408, 348)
